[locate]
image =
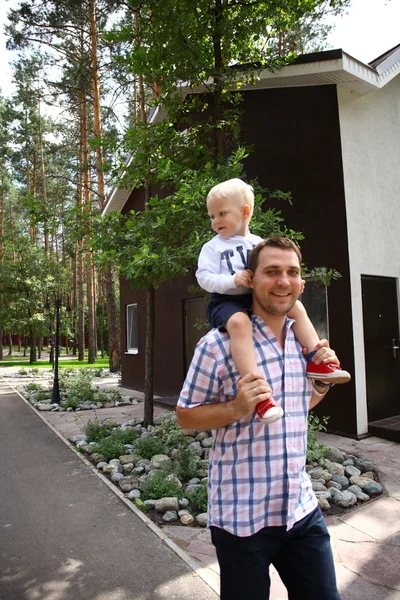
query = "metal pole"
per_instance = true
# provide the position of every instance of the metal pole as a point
(55, 398)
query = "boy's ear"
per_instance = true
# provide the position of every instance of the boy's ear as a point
(246, 211)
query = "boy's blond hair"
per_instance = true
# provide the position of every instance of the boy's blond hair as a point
(234, 189)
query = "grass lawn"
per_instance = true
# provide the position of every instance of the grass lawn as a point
(23, 362)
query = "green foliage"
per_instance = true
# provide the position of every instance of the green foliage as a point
(170, 433)
(95, 431)
(158, 486)
(78, 386)
(23, 372)
(33, 387)
(315, 450)
(35, 371)
(110, 447)
(107, 395)
(148, 446)
(70, 402)
(200, 499)
(184, 464)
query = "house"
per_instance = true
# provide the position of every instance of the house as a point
(327, 129)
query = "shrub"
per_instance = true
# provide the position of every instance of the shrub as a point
(22, 371)
(158, 486)
(79, 386)
(104, 396)
(110, 447)
(170, 433)
(33, 387)
(184, 464)
(70, 402)
(94, 430)
(146, 447)
(200, 499)
(35, 370)
(315, 450)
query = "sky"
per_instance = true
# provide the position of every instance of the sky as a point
(370, 28)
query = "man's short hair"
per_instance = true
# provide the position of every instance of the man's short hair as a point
(233, 189)
(283, 243)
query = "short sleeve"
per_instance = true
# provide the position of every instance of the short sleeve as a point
(202, 382)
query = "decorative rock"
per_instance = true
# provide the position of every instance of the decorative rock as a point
(350, 456)
(190, 433)
(112, 468)
(127, 468)
(196, 448)
(323, 494)
(372, 488)
(207, 443)
(369, 475)
(333, 484)
(350, 471)
(134, 494)
(126, 459)
(323, 503)
(193, 481)
(344, 482)
(184, 502)
(347, 462)
(357, 491)
(185, 517)
(364, 465)
(203, 435)
(202, 473)
(334, 492)
(150, 503)
(167, 504)
(345, 499)
(320, 473)
(127, 484)
(360, 480)
(174, 479)
(116, 477)
(201, 519)
(318, 487)
(101, 464)
(170, 515)
(138, 470)
(159, 459)
(191, 489)
(333, 454)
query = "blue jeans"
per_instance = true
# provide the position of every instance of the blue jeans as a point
(302, 557)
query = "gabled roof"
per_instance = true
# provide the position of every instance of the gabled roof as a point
(331, 67)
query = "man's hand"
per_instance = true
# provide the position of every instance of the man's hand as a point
(251, 390)
(323, 354)
(243, 278)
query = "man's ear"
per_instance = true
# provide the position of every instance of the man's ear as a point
(303, 285)
(246, 211)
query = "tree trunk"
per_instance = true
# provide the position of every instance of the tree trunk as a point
(217, 96)
(32, 348)
(114, 349)
(149, 360)
(10, 348)
(1, 344)
(44, 190)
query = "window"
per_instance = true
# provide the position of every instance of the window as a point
(315, 300)
(131, 329)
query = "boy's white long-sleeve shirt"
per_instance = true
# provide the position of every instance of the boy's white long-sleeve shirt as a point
(220, 259)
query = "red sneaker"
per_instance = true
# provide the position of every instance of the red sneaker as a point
(269, 411)
(330, 373)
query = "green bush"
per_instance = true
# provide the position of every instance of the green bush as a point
(110, 447)
(22, 371)
(104, 396)
(94, 430)
(79, 385)
(70, 402)
(315, 450)
(170, 433)
(146, 447)
(33, 387)
(158, 487)
(200, 499)
(35, 371)
(184, 464)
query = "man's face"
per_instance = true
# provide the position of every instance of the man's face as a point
(277, 282)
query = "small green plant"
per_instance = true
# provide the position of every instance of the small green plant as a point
(70, 402)
(104, 396)
(200, 499)
(146, 447)
(23, 372)
(184, 464)
(315, 450)
(35, 371)
(33, 387)
(95, 431)
(158, 486)
(170, 433)
(110, 447)
(43, 395)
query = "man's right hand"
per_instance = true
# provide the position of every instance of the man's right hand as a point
(252, 389)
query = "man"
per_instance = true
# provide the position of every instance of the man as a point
(262, 509)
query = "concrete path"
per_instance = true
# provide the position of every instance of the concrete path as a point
(366, 541)
(65, 535)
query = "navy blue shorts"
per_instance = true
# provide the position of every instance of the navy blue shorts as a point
(222, 306)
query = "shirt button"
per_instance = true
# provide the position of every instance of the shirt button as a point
(288, 415)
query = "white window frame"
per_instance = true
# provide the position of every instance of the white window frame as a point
(133, 349)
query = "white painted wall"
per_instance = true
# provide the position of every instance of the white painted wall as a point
(370, 133)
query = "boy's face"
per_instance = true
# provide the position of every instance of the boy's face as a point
(228, 218)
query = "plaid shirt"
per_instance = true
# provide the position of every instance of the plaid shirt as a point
(257, 476)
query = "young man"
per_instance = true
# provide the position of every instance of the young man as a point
(262, 509)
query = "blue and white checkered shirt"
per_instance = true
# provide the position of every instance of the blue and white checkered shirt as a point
(257, 472)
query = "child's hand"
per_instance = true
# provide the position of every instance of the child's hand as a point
(243, 278)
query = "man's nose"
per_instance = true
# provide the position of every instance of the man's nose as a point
(283, 279)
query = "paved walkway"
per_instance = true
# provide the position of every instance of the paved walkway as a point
(366, 541)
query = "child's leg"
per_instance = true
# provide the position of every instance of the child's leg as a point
(240, 331)
(308, 338)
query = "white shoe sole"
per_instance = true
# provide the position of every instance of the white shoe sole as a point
(338, 377)
(274, 414)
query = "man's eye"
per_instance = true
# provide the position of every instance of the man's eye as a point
(294, 272)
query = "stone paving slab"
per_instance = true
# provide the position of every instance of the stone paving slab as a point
(374, 562)
(380, 519)
(353, 587)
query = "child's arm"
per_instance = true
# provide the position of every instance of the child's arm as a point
(210, 278)
(303, 328)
